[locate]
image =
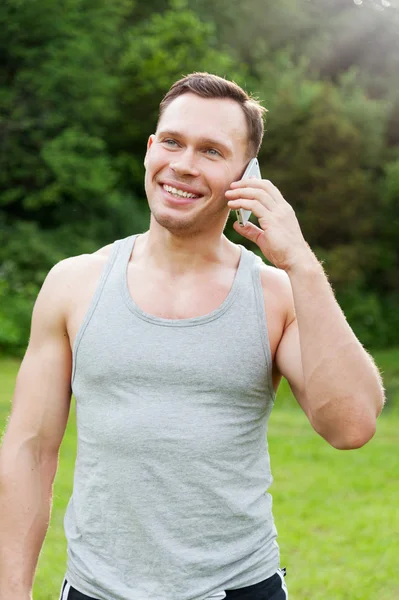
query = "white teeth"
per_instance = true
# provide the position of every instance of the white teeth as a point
(176, 192)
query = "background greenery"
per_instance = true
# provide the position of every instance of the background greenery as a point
(336, 512)
(80, 84)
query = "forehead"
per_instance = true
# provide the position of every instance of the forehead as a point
(219, 118)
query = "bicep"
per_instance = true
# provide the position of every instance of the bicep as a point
(289, 363)
(41, 401)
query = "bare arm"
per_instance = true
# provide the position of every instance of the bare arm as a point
(29, 452)
(330, 373)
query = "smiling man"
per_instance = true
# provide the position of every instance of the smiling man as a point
(174, 342)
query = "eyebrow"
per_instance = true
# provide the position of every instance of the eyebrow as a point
(203, 141)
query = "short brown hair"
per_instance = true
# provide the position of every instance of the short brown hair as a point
(207, 85)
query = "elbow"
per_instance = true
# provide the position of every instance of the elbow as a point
(351, 438)
(346, 429)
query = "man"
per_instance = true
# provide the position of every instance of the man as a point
(174, 342)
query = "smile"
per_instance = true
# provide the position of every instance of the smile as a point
(178, 193)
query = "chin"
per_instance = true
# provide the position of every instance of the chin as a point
(183, 225)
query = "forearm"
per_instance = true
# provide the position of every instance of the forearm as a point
(25, 503)
(341, 383)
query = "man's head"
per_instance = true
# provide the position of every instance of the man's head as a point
(208, 130)
(206, 85)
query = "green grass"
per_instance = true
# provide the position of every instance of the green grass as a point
(336, 512)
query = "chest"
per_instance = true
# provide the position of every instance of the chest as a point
(170, 390)
(178, 298)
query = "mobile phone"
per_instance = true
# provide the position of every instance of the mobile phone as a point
(252, 170)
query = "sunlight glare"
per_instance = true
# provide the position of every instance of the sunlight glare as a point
(380, 5)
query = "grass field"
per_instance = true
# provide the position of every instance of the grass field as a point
(336, 512)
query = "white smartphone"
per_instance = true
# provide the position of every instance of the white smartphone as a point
(252, 170)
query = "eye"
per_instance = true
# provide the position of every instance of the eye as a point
(170, 142)
(213, 152)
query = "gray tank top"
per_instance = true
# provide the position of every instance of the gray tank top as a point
(170, 496)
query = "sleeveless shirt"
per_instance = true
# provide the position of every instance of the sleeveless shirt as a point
(170, 497)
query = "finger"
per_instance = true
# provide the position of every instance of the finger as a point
(264, 184)
(251, 194)
(249, 231)
(253, 181)
(259, 209)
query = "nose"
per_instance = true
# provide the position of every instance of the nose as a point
(184, 164)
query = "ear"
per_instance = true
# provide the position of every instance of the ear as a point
(149, 144)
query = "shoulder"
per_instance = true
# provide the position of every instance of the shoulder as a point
(278, 301)
(277, 292)
(74, 266)
(69, 274)
(274, 281)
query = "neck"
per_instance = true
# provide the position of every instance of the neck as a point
(178, 254)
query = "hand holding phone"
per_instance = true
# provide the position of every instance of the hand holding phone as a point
(252, 170)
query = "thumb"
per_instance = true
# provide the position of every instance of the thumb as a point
(249, 231)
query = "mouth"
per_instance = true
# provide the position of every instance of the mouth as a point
(178, 195)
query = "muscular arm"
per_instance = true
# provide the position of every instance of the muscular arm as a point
(331, 375)
(29, 452)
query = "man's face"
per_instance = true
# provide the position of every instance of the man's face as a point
(199, 148)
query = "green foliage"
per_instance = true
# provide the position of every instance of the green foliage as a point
(79, 96)
(325, 148)
(79, 102)
(58, 64)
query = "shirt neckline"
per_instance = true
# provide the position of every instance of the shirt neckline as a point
(191, 321)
